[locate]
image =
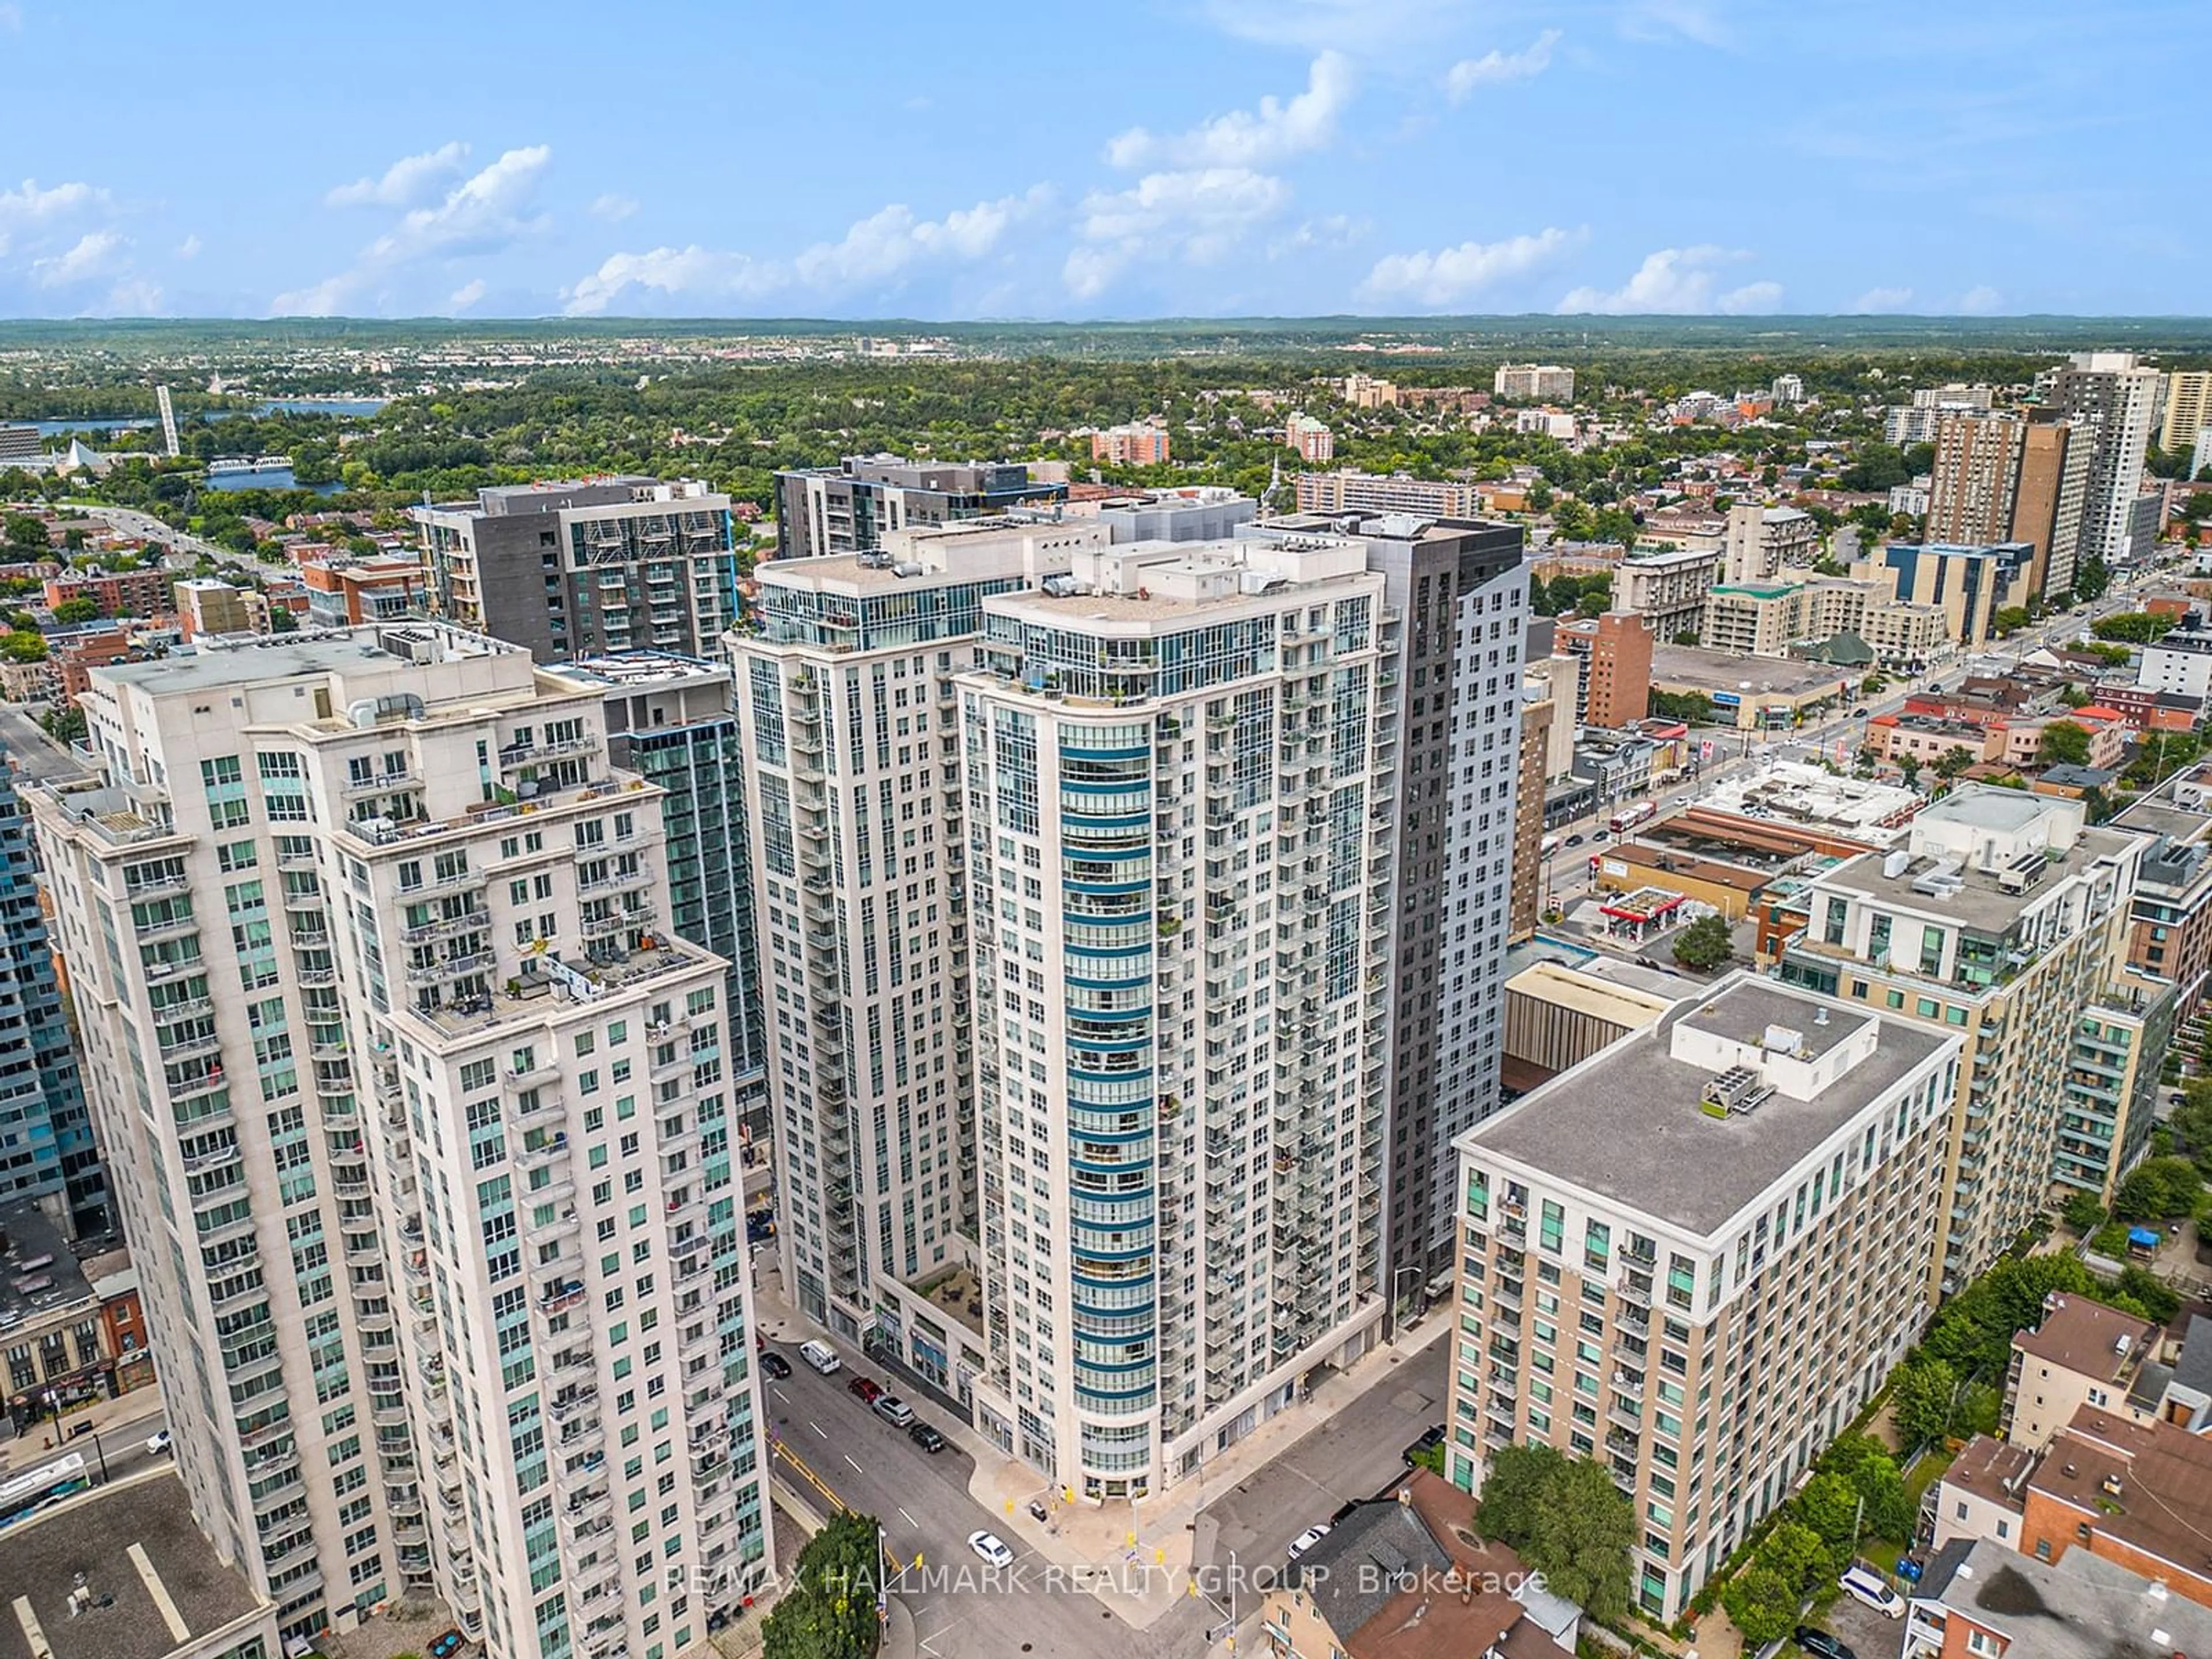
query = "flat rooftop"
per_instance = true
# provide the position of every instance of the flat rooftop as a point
(39, 1274)
(1978, 902)
(154, 1581)
(1688, 1168)
(1722, 671)
(2081, 1607)
(627, 670)
(277, 657)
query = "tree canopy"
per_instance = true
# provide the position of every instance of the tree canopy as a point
(830, 1610)
(1704, 944)
(1567, 1520)
(2064, 743)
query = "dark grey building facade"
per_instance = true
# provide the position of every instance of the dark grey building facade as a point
(846, 508)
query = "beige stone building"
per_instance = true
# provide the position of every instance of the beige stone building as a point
(1693, 1258)
(1998, 922)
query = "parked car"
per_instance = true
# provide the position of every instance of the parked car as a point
(1868, 1587)
(157, 1442)
(991, 1547)
(926, 1437)
(865, 1389)
(1306, 1540)
(1819, 1644)
(893, 1410)
(1858, 713)
(821, 1356)
(775, 1365)
(1574, 840)
(1431, 1437)
(446, 1645)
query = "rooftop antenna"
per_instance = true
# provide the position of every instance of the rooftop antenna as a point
(1274, 484)
(169, 420)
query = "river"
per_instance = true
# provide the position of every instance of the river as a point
(288, 405)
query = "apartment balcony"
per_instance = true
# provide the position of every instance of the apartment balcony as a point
(567, 1224)
(588, 1515)
(548, 1113)
(618, 881)
(445, 927)
(560, 1298)
(383, 783)
(573, 1403)
(451, 967)
(170, 928)
(538, 1155)
(584, 1436)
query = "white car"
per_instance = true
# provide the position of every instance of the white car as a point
(991, 1547)
(1867, 1588)
(1306, 1540)
(157, 1442)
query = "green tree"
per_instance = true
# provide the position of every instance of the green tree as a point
(2159, 1189)
(1829, 1504)
(1954, 760)
(282, 620)
(1512, 1490)
(2191, 1124)
(23, 646)
(2158, 1299)
(25, 533)
(2083, 1212)
(2064, 743)
(1923, 1393)
(1703, 944)
(1761, 1602)
(1881, 1484)
(2091, 578)
(2136, 627)
(1583, 1533)
(2010, 619)
(82, 609)
(1878, 466)
(1693, 707)
(830, 1610)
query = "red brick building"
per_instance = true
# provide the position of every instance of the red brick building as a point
(118, 593)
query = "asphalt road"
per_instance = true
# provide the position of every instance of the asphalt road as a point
(1354, 1455)
(832, 1449)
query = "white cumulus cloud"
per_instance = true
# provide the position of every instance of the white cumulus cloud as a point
(190, 247)
(490, 211)
(466, 295)
(95, 253)
(1882, 298)
(1277, 130)
(134, 296)
(1676, 281)
(613, 207)
(30, 205)
(1981, 300)
(880, 248)
(1453, 274)
(408, 181)
(1197, 215)
(1752, 300)
(1495, 67)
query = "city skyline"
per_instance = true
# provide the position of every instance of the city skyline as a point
(1220, 161)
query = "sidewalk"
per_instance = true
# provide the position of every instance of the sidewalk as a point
(136, 1414)
(1146, 1549)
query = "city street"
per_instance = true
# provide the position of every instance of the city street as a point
(120, 1435)
(1352, 1456)
(831, 1449)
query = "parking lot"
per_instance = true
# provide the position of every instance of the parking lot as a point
(1868, 1634)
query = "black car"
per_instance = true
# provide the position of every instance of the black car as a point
(1574, 840)
(760, 1226)
(926, 1437)
(1431, 1437)
(775, 1365)
(1819, 1644)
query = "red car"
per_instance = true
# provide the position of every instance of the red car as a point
(867, 1392)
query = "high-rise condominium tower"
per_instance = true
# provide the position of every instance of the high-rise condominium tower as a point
(1460, 587)
(860, 882)
(47, 1149)
(418, 1118)
(1181, 778)
(2001, 477)
(2123, 397)
(579, 566)
(670, 721)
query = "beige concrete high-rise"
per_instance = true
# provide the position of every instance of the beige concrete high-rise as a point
(2003, 478)
(2188, 410)
(419, 1122)
(2121, 397)
(2000, 921)
(1694, 1256)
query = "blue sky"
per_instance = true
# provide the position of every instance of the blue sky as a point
(850, 158)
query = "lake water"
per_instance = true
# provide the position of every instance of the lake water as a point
(267, 477)
(293, 405)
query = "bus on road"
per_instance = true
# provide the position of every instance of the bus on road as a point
(1630, 816)
(42, 1488)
